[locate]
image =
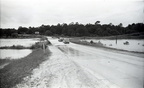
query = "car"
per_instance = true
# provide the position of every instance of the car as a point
(60, 40)
(126, 43)
(66, 41)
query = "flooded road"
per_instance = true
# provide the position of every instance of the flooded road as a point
(77, 66)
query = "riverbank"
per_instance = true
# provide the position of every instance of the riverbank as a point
(16, 70)
(24, 43)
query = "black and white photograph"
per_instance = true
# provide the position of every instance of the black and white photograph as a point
(71, 43)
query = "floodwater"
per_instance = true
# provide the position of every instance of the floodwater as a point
(13, 53)
(134, 44)
(23, 42)
(78, 66)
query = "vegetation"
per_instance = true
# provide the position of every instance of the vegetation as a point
(76, 29)
(3, 61)
(34, 46)
(15, 47)
(91, 43)
(16, 70)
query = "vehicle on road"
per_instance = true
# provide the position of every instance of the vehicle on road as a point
(60, 40)
(66, 41)
(126, 43)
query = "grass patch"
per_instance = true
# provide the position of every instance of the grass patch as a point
(34, 46)
(16, 70)
(3, 61)
(14, 47)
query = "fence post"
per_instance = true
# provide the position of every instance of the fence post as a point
(43, 47)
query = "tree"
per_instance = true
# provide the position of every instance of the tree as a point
(58, 29)
(71, 32)
(14, 35)
(97, 22)
(64, 31)
(9, 32)
(110, 24)
(120, 25)
(76, 29)
(22, 30)
(53, 29)
(48, 33)
(99, 31)
(81, 31)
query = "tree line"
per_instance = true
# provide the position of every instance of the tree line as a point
(76, 29)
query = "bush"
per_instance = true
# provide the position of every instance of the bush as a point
(91, 42)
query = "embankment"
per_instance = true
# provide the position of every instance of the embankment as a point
(16, 70)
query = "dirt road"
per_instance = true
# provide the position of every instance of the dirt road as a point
(78, 66)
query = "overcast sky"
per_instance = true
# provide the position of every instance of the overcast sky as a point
(15, 13)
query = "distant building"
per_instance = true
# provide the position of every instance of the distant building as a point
(37, 33)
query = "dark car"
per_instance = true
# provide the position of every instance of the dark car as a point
(60, 40)
(126, 43)
(66, 41)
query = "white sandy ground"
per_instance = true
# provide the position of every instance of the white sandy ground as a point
(78, 66)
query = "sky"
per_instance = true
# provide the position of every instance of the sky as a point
(34, 13)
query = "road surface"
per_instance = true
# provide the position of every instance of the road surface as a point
(77, 66)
